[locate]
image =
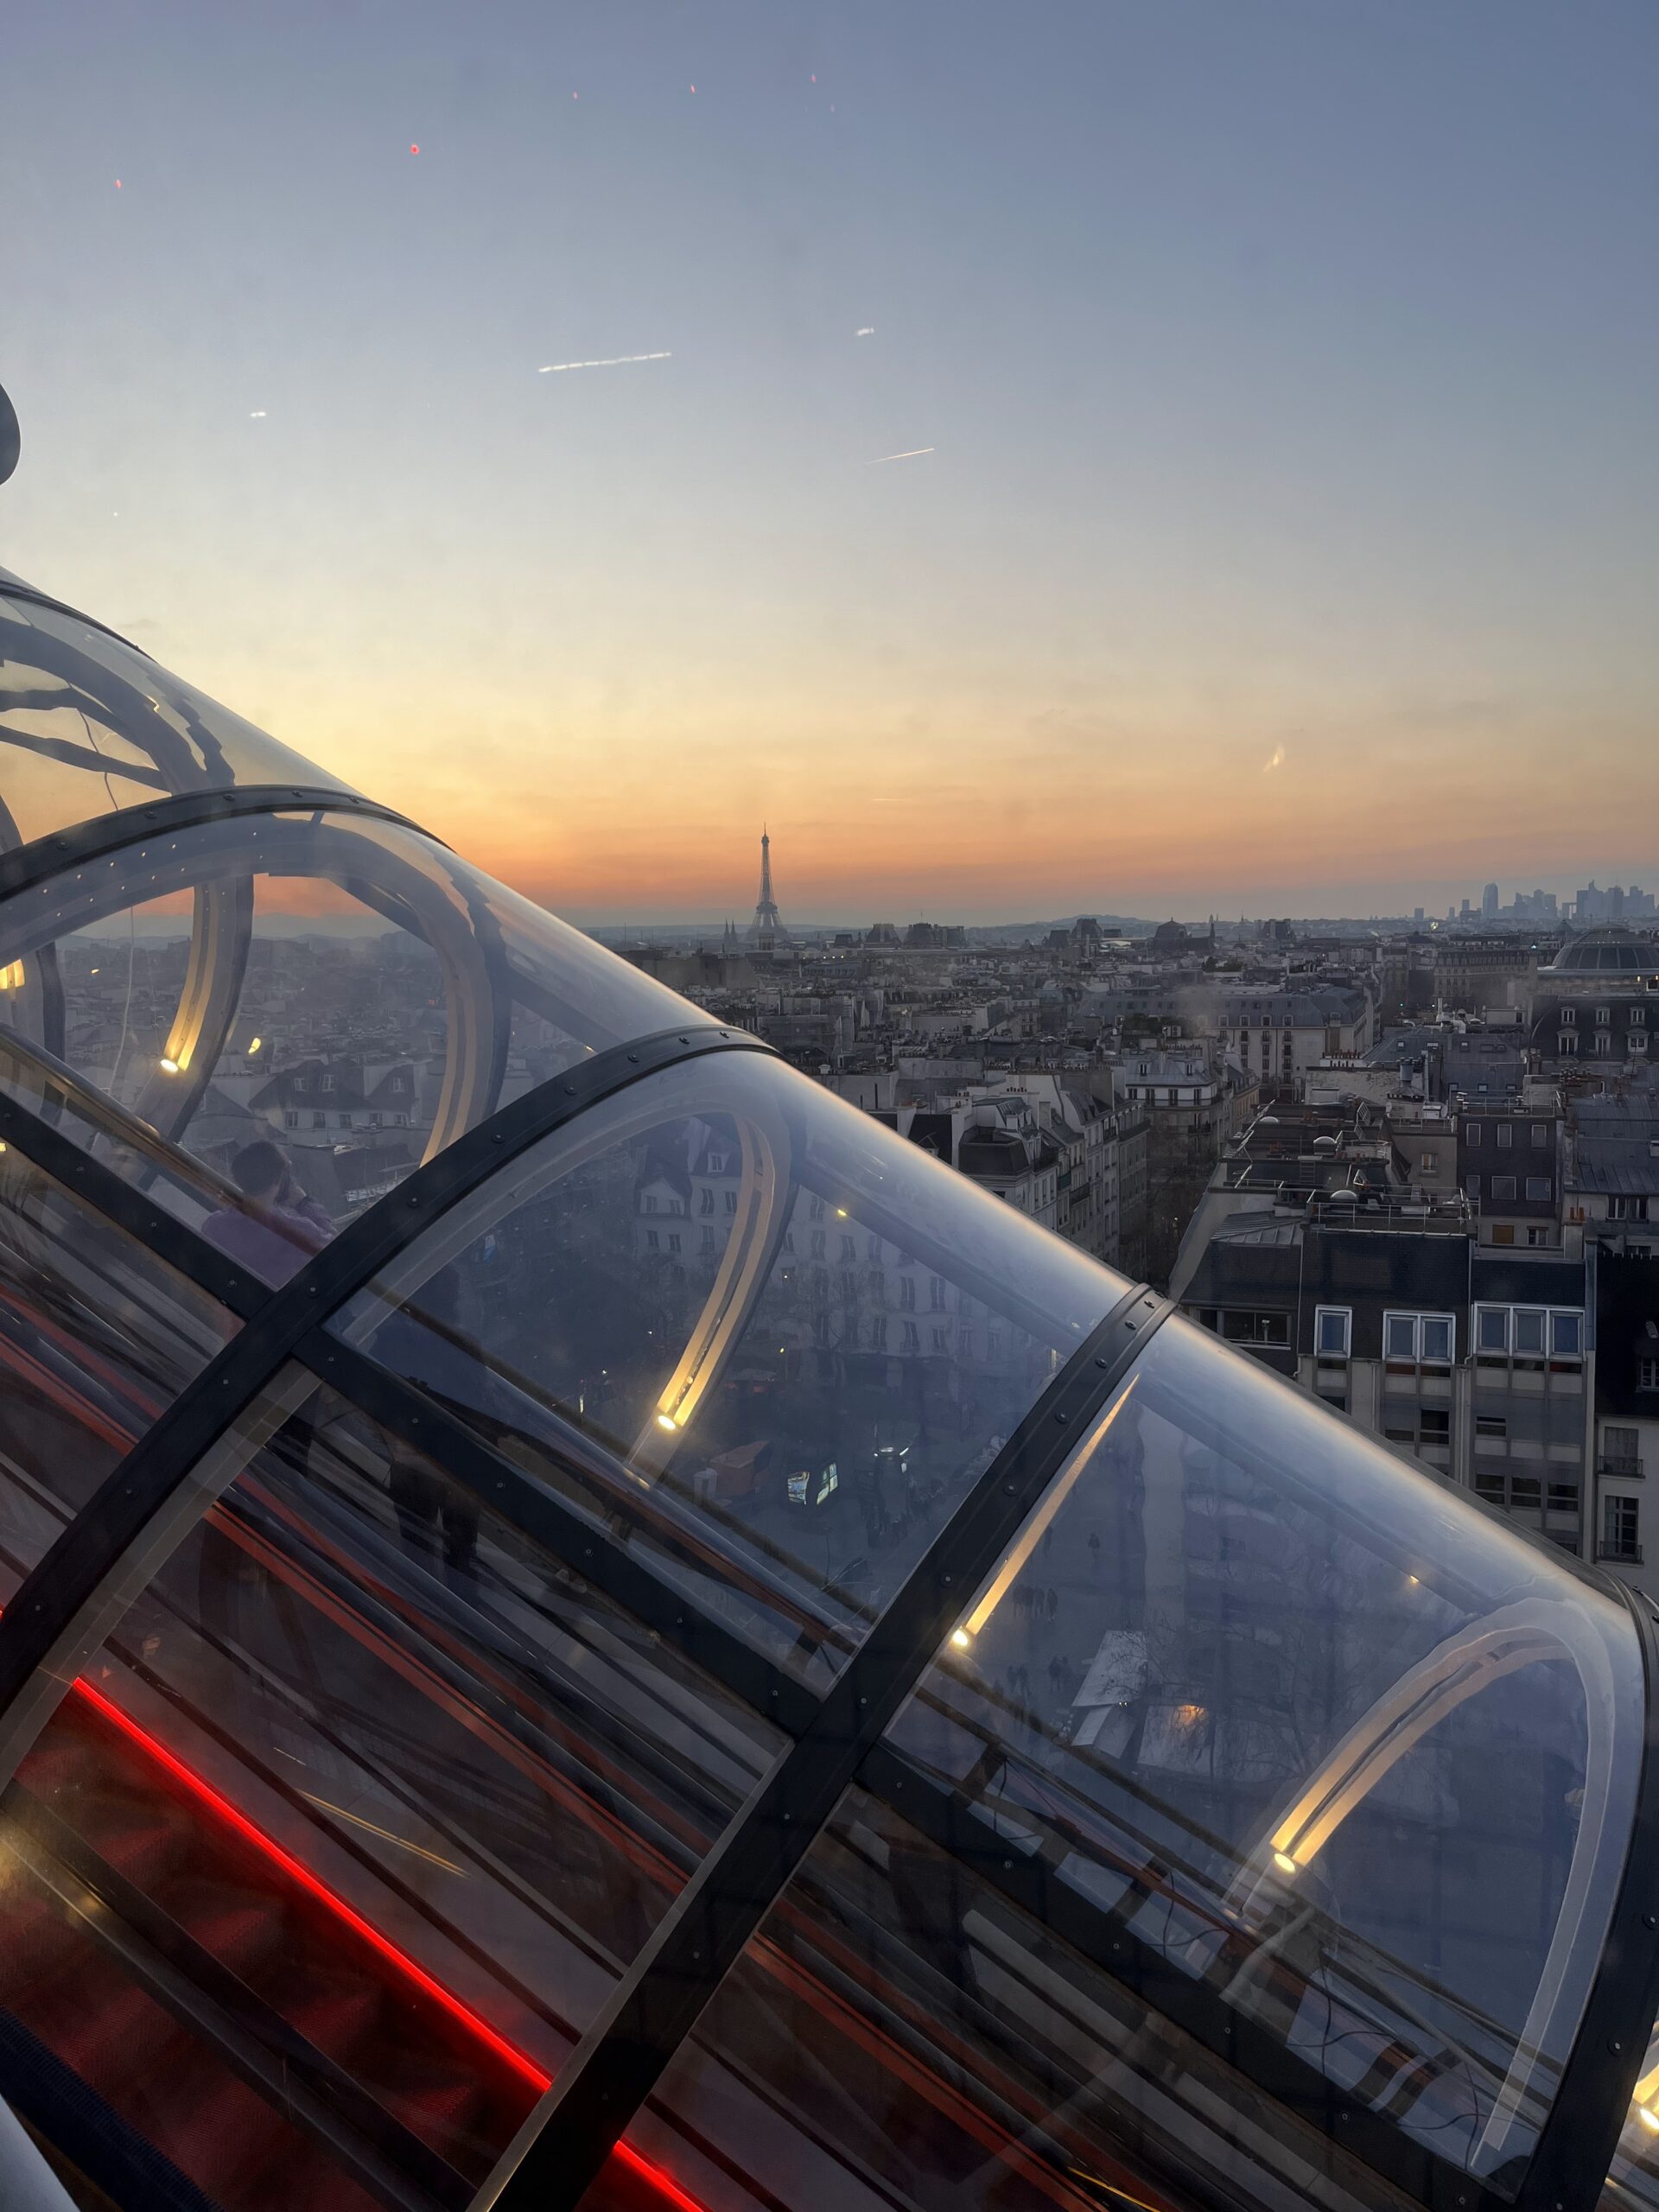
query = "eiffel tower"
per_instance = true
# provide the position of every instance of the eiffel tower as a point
(766, 931)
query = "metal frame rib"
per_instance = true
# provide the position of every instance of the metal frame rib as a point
(48, 859)
(79, 1588)
(565, 2143)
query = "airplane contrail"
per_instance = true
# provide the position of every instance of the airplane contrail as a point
(913, 453)
(615, 361)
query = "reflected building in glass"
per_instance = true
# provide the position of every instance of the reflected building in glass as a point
(585, 1624)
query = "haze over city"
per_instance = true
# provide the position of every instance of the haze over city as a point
(1155, 458)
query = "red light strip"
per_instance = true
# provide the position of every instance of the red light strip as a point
(668, 2189)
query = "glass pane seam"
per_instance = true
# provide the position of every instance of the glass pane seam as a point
(79, 1575)
(61, 851)
(562, 2149)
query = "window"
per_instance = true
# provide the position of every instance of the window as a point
(912, 1342)
(879, 1333)
(849, 1250)
(1538, 1186)
(1527, 1492)
(1604, 1046)
(1528, 1333)
(1489, 1485)
(707, 1245)
(936, 1295)
(1434, 1425)
(1505, 1135)
(1471, 1184)
(1603, 1016)
(1333, 1329)
(1569, 1016)
(1620, 1524)
(1503, 1189)
(1647, 1374)
(1491, 1425)
(875, 1251)
(731, 1201)
(1621, 1451)
(1244, 1327)
(1567, 1044)
(1492, 1329)
(290, 1119)
(1538, 1237)
(648, 1204)
(716, 1163)
(319, 1121)
(1567, 1336)
(674, 1242)
(1540, 1136)
(1627, 1209)
(1638, 1017)
(1471, 1132)
(705, 1202)
(652, 1242)
(817, 1252)
(1563, 1497)
(815, 1209)
(1427, 1161)
(942, 1340)
(1419, 1337)
(327, 1084)
(907, 1294)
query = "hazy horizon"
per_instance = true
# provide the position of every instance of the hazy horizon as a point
(1140, 458)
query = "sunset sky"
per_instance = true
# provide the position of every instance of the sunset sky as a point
(1287, 537)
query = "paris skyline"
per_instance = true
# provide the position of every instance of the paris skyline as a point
(1169, 458)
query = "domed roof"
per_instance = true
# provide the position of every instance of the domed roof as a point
(1612, 952)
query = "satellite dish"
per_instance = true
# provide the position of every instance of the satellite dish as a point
(11, 438)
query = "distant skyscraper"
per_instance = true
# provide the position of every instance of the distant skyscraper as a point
(767, 929)
(1489, 900)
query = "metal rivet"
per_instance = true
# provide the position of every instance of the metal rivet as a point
(1614, 2045)
(1062, 1419)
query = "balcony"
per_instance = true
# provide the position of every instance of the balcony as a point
(1619, 1555)
(1626, 1463)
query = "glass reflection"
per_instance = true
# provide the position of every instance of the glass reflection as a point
(780, 1341)
(899, 2035)
(342, 988)
(89, 725)
(368, 1745)
(1357, 1760)
(97, 1338)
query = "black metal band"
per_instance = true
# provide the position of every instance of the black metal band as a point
(66, 1580)
(600, 1558)
(1610, 2050)
(123, 1203)
(43, 860)
(565, 2145)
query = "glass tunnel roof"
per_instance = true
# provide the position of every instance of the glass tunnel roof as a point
(583, 1623)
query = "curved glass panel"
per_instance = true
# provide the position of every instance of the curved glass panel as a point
(343, 988)
(97, 1338)
(897, 2035)
(374, 1783)
(1353, 1759)
(89, 726)
(777, 1337)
